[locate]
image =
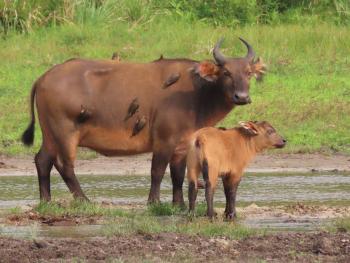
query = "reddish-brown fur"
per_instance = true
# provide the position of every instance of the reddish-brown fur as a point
(225, 153)
(85, 102)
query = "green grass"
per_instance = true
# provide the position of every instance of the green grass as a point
(167, 209)
(342, 224)
(155, 219)
(78, 208)
(164, 209)
(305, 95)
(146, 224)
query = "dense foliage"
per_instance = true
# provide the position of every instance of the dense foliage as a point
(25, 15)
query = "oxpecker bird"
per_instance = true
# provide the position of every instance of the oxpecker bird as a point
(171, 80)
(139, 125)
(133, 107)
(116, 56)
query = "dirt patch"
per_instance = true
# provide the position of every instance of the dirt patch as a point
(310, 247)
(29, 217)
(141, 164)
(296, 210)
(301, 247)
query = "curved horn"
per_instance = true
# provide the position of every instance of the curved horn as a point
(218, 56)
(250, 54)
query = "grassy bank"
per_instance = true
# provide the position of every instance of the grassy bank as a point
(159, 218)
(306, 93)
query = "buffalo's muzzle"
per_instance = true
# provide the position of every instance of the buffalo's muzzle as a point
(240, 99)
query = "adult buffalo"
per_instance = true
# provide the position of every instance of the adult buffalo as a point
(121, 108)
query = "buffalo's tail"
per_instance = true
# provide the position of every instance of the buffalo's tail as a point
(202, 158)
(28, 134)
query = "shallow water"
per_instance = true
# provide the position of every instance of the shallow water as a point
(43, 231)
(86, 231)
(262, 189)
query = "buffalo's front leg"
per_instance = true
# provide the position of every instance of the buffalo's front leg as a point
(159, 164)
(177, 173)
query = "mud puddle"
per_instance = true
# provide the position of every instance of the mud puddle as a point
(272, 224)
(40, 231)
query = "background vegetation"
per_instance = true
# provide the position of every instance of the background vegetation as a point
(306, 93)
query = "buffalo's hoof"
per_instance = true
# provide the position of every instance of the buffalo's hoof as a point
(212, 215)
(153, 201)
(82, 198)
(180, 205)
(230, 216)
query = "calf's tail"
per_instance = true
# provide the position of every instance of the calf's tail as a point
(203, 160)
(28, 134)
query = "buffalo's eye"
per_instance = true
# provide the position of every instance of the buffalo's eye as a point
(250, 74)
(227, 73)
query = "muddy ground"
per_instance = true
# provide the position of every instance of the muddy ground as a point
(140, 164)
(316, 246)
(285, 247)
(287, 213)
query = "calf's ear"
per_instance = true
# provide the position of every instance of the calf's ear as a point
(259, 69)
(207, 70)
(249, 127)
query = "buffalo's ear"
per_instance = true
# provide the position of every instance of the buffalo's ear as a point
(259, 69)
(207, 70)
(249, 127)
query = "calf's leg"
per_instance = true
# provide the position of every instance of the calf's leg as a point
(192, 176)
(210, 185)
(192, 195)
(230, 187)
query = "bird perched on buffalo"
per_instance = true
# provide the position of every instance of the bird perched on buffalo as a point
(84, 114)
(116, 56)
(133, 107)
(171, 80)
(139, 125)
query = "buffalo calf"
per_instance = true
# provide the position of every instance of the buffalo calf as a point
(225, 153)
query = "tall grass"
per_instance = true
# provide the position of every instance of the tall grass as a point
(25, 15)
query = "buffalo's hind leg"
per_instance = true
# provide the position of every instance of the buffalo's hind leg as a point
(44, 161)
(65, 166)
(67, 172)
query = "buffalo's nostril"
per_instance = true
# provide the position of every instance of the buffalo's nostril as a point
(284, 140)
(237, 97)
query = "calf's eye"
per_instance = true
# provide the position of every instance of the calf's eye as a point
(269, 132)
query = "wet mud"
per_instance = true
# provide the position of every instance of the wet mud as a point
(170, 247)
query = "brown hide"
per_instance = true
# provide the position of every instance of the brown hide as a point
(215, 152)
(85, 103)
